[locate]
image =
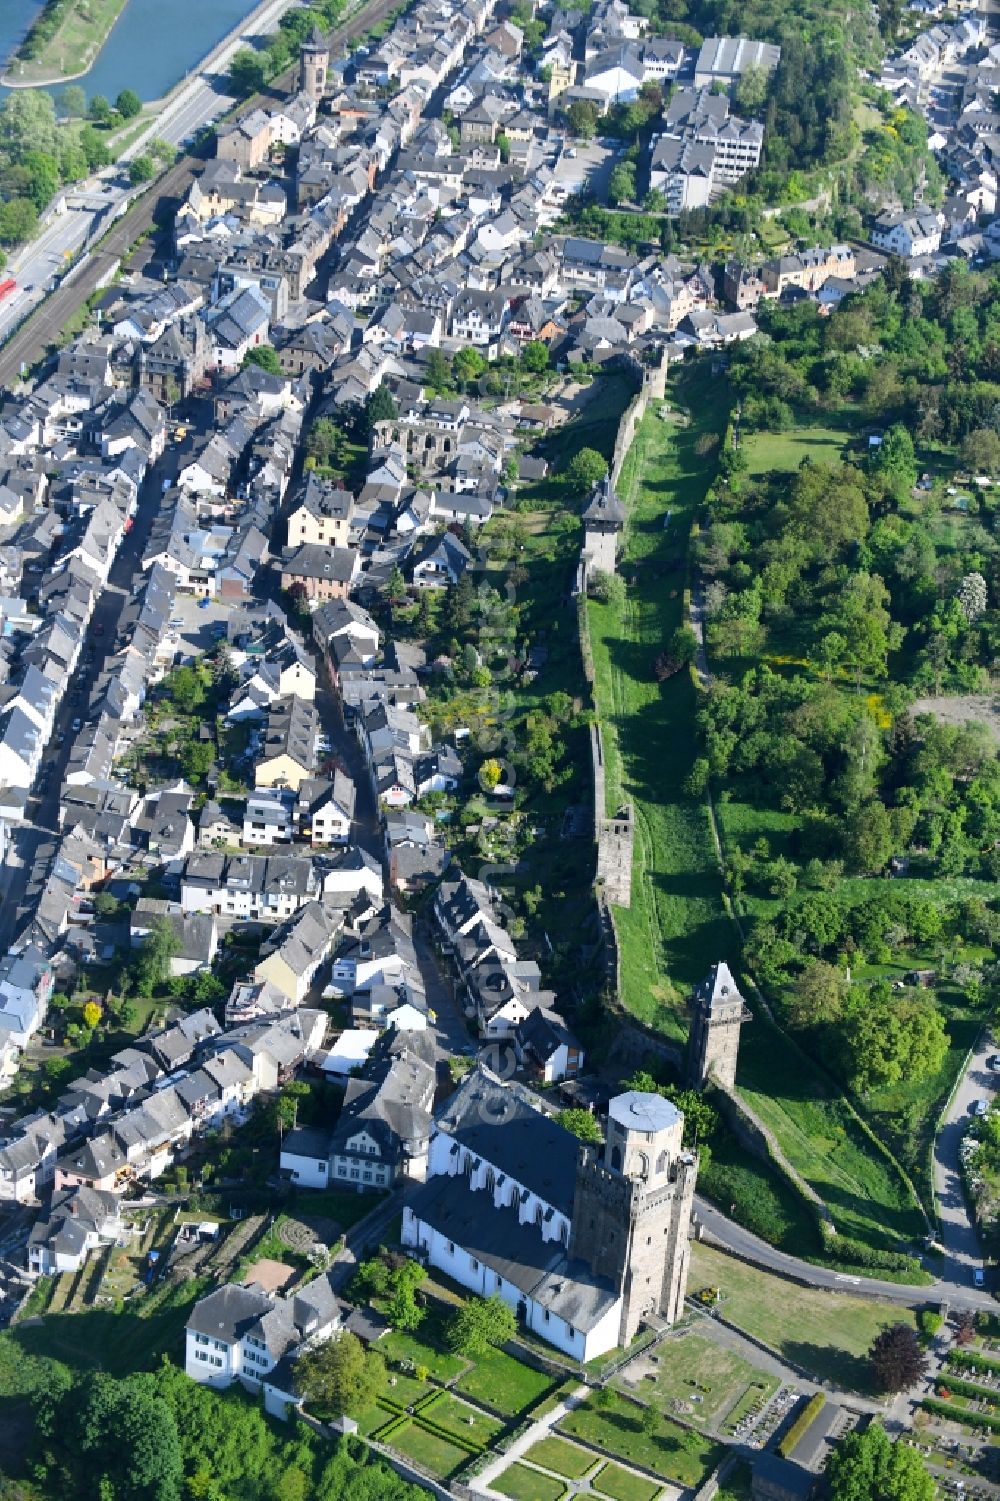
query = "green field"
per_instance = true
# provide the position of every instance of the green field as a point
(468, 1423)
(504, 1383)
(828, 1334)
(98, 1339)
(698, 1379)
(765, 452)
(823, 1141)
(76, 41)
(623, 1485)
(677, 919)
(426, 1347)
(671, 1451)
(525, 1484)
(565, 1459)
(435, 1454)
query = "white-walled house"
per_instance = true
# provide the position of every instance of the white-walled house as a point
(242, 1333)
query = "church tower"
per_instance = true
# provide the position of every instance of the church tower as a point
(315, 64)
(632, 1208)
(714, 1044)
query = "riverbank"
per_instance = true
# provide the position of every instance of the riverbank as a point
(80, 31)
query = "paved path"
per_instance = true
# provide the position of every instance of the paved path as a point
(539, 1429)
(729, 1236)
(958, 1235)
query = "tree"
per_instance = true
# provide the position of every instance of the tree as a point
(18, 221)
(100, 109)
(467, 365)
(897, 1360)
(265, 357)
(91, 1014)
(868, 1466)
(867, 838)
(751, 90)
(396, 587)
(479, 1324)
(72, 102)
(185, 688)
(197, 759)
(340, 1375)
(247, 72)
(622, 184)
(981, 451)
(818, 995)
(437, 373)
(887, 1038)
(972, 596)
(380, 407)
(586, 469)
(152, 963)
(581, 1123)
(607, 588)
(535, 357)
(106, 905)
(490, 774)
(128, 104)
(141, 169)
(582, 119)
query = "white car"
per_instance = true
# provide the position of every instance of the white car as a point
(980, 1107)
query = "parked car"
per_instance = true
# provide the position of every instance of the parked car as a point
(993, 1061)
(980, 1107)
(979, 1277)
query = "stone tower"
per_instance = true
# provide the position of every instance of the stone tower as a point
(315, 62)
(632, 1208)
(714, 1043)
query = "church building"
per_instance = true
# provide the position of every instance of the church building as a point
(583, 1242)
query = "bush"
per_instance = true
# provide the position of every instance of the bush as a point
(805, 1419)
(857, 1253)
(930, 1322)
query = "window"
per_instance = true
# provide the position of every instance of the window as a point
(546, 1315)
(474, 1263)
(451, 1248)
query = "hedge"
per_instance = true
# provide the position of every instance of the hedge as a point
(805, 1420)
(961, 1414)
(859, 1254)
(968, 1389)
(972, 1361)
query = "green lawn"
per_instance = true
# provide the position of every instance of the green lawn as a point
(676, 918)
(435, 1454)
(671, 1451)
(506, 1384)
(451, 1413)
(425, 1347)
(524, 1484)
(823, 1140)
(698, 1379)
(828, 1334)
(623, 1485)
(74, 45)
(768, 451)
(565, 1459)
(756, 1195)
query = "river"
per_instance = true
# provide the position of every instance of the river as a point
(153, 43)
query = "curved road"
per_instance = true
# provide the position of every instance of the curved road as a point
(729, 1236)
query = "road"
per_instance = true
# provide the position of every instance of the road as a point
(196, 104)
(958, 1233)
(729, 1236)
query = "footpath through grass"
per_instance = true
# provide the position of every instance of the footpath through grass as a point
(677, 925)
(828, 1334)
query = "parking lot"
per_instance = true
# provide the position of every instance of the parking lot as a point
(200, 623)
